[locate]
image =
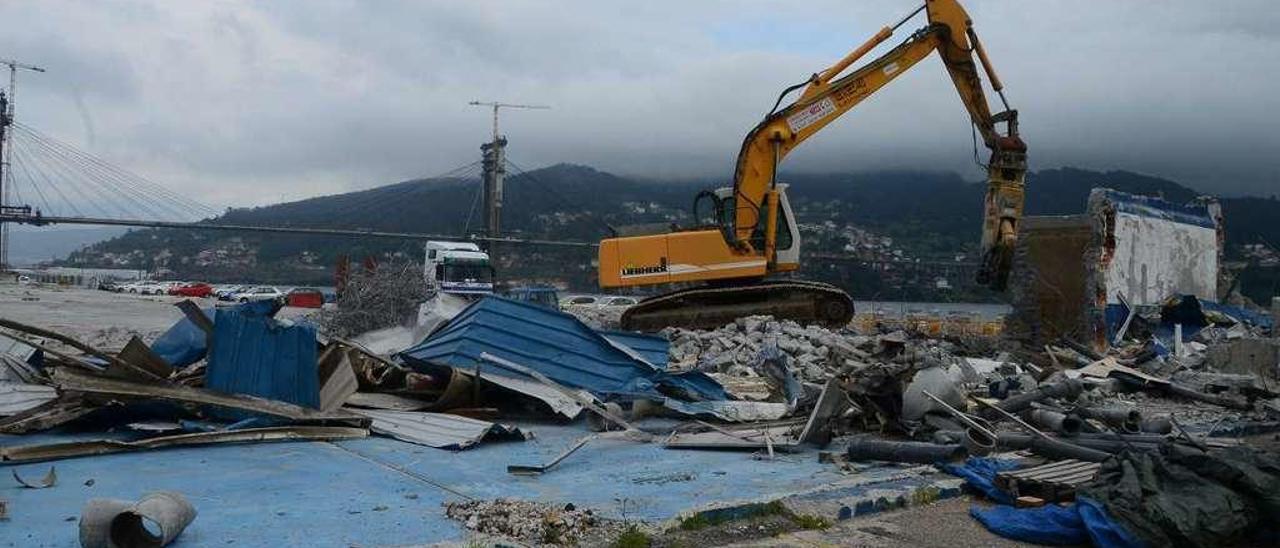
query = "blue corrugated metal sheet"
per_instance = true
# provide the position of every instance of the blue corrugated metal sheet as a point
(652, 348)
(184, 343)
(555, 344)
(259, 356)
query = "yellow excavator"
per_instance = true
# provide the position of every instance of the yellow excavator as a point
(753, 234)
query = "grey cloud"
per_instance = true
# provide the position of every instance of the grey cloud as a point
(242, 102)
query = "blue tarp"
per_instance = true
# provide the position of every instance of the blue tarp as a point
(557, 345)
(184, 343)
(256, 355)
(980, 473)
(1080, 523)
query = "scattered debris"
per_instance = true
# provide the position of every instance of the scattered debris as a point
(439, 430)
(54, 451)
(537, 469)
(536, 523)
(49, 480)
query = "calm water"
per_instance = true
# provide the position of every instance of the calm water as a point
(900, 309)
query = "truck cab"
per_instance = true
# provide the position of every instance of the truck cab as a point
(459, 268)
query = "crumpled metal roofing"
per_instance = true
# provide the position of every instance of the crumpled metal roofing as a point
(259, 356)
(439, 430)
(651, 348)
(557, 345)
(18, 397)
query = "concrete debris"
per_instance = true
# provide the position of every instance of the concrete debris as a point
(597, 317)
(535, 523)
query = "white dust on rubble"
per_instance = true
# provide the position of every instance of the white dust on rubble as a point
(815, 352)
(597, 317)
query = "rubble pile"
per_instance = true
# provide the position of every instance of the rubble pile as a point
(597, 317)
(757, 385)
(534, 522)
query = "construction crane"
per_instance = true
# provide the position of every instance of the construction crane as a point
(494, 164)
(497, 105)
(753, 233)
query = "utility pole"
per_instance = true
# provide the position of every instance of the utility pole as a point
(493, 155)
(6, 150)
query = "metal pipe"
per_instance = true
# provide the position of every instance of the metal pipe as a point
(1156, 425)
(1067, 425)
(904, 451)
(155, 520)
(1127, 420)
(1050, 447)
(1094, 448)
(1067, 389)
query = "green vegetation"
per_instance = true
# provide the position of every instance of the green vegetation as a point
(633, 537)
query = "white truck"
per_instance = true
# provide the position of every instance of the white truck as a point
(459, 268)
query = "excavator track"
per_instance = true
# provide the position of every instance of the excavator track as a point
(710, 307)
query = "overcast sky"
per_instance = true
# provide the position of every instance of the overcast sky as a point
(240, 103)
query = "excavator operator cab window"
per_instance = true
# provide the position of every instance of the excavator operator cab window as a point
(784, 239)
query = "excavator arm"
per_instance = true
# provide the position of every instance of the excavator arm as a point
(827, 96)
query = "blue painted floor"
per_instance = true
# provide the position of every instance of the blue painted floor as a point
(379, 491)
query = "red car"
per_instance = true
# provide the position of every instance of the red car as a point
(193, 289)
(304, 297)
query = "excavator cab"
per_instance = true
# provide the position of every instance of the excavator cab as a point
(787, 244)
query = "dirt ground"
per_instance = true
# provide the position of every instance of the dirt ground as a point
(99, 318)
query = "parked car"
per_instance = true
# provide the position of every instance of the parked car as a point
(304, 297)
(619, 301)
(579, 300)
(148, 288)
(129, 287)
(192, 289)
(24, 280)
(224, 292)
(598, 301)
(260, 293)
(539, 295)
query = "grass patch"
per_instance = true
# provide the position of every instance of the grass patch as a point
(707, 519)
(775, 508)
(810, 522)
(633, 537)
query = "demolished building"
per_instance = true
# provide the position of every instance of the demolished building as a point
(1077, 276)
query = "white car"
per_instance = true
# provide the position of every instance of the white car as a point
(598, 301)
(579, 300)
(146, 288)
(224, 292)
(260, 293)
(619, 301)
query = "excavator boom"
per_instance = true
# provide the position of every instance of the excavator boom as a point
(755, 233)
